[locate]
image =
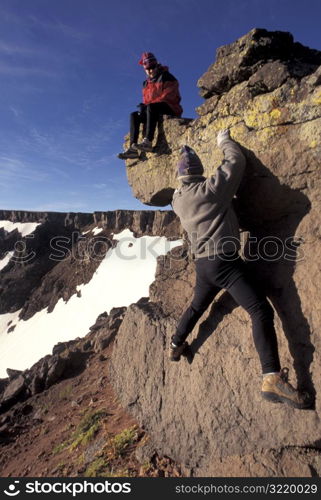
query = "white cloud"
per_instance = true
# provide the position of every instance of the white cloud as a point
(15, 111)
(8, 48)
(13, 169)
(71, 32)
(25, 71)
(60, 172)
(58, 26)
(75, 145)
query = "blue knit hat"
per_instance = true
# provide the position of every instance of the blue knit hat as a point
(189, 164)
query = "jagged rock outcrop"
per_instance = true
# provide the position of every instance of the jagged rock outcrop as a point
(206, 411)
(104, 331)
(273, 57)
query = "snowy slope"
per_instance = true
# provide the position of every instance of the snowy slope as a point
(5, 260)
(123, 277)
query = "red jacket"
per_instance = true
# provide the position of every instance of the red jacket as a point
(163, 88)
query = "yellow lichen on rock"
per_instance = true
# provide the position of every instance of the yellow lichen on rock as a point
(275, 115)
(316, 98)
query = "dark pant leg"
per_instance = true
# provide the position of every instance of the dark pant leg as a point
(136, 118)
(153, 112)
(252, 299)
(204, 294)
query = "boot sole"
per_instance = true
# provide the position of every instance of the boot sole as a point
(275, 398)
(145, 150)
(171, 358)
(128, 157)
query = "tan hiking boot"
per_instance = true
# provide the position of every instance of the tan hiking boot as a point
(175, 352)
(277, 389)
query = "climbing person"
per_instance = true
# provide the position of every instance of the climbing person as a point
(204, 206)
(160, 97)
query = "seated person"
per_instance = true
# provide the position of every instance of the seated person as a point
(160, 97)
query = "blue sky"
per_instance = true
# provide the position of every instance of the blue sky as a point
(69, 79)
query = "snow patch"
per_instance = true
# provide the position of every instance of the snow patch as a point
(96, 231)
(5, 260)
(24, 228)
(122, 278)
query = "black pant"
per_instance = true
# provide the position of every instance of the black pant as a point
(149, 116)
(230, 274)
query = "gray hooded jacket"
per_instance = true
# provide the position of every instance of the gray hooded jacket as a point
(205, 206)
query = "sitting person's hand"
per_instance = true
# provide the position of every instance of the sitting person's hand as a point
(141, 107)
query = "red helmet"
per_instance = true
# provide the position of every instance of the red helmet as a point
(148, 60)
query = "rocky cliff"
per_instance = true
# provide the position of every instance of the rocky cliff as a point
(206, 411)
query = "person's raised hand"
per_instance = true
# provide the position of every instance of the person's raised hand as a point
(222, 136)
